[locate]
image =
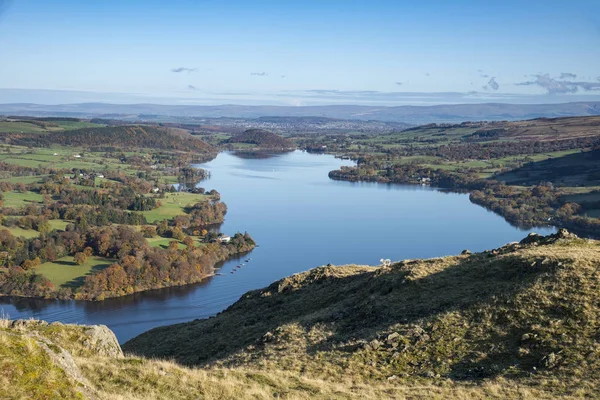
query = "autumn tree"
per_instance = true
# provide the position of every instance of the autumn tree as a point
(189, 242)
(80, 258)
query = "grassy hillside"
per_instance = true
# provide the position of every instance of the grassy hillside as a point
(521, 321)
(527, 314)
(577, 169)
(38, 125)
(137, 136)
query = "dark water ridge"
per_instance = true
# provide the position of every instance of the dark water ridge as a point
(300, 219)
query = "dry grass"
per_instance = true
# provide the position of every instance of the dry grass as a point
(525, 314)
(521, 322)
(27, 372)
(137, 378)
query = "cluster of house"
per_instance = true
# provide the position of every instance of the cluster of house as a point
(87, 176)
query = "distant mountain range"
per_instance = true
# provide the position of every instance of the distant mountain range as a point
(406, 114)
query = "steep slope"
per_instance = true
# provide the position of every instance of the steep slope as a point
(521, 321)
(263, 139)
(56, 361)
(527, 312)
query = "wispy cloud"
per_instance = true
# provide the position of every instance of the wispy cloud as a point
(567, 75)
(183, 69)
(192, 87)
(560, 86)
(399, 83)
(493, 84)
(483, 74)
(259, 73)
(332, 96)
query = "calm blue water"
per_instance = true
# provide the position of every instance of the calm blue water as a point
(300, 219)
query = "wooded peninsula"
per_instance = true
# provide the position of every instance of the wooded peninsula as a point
(90, 211)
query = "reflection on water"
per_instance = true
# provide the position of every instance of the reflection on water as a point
(300, 219)
(258, 154)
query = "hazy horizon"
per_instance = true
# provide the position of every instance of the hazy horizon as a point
(299, 53)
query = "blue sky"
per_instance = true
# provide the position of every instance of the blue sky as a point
(299, 52)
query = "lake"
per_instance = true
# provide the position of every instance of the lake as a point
(300, 219)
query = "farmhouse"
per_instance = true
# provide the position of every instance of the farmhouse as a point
(224, 239)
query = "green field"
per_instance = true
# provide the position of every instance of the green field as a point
(64, 158)
(26, 127)
(25, 179)
(17, 199)
(26, 233)
(59, 224)
(164, 242)
(19, 127)
(31, 233)
(69, 125)
(64, 272)
(173, 205)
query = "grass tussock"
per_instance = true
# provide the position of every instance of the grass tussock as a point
(28, 372)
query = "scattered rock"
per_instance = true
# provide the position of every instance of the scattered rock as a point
(103, 341)
(267, 337)
(466, 252)
(535, 239)
(393, 338)
(564, 234)
(375, 344)
(550, 361)
(532, 238)
(26, 324)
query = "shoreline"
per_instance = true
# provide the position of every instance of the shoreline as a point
(95, 300)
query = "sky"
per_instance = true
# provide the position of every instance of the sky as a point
(299, 52)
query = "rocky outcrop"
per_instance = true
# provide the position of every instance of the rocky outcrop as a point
(57, 341)
(102, 341)
(96, 339)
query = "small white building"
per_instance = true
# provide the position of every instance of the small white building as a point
(224, 239)
(77, 156)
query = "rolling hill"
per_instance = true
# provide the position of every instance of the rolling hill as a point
(138, 136)
(408, 114)
(262, 139)
(520, 321)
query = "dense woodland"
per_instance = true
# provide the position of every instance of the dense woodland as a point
(133, 136)
(262, 139)
(100, 212)
(137, 267)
